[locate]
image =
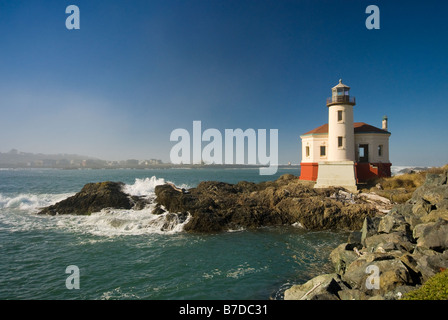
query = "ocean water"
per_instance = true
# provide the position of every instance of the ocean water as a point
(123, 254)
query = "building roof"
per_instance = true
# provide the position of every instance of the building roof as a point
(359, 127)
(341, 85)
(319, 130)
(362, 127)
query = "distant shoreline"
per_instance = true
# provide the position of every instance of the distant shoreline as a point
(158, 166)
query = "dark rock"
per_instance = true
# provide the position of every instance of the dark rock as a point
(433, 179)
(392, 273)
(393, 222)
(352, 294)
(429, 262)
(94, 197)
(217, 206)
(414, 270)
(368, 229)
(355, 237)
(158, 210)
(398, 240)
(432, 235)
(323, 287)
(342, 257)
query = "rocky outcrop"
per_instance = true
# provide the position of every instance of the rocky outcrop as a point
(392, 254)
(218, 206)
(94, 197)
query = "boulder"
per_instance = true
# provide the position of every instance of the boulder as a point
(432, 235)
(342, 257)
(94, 197)
(323, 287)
(369, 228)
(391, 273)
(393, 222)
(352, 294)
(422, 207)
(429, 262)
(390, 241)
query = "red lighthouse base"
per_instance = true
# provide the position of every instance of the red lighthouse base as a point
(308, 171)
(368, 171)
(364, 171)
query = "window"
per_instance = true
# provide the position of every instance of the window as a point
(322, 151)
(380, 150)
(340, 145)
(339, 115)
(307, 151)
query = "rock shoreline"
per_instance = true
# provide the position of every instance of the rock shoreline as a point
(391, 249)
(218, 206)
(391, 254)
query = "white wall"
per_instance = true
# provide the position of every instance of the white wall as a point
(342, 129)
(374, 140)
(314, 142)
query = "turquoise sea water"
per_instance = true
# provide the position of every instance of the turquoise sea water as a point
(121, 254)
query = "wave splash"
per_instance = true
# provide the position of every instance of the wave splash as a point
(115, 222)
(143, 187)
(31, 202)
(19, 211)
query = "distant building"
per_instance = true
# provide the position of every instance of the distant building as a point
(341, 152)
(132, 162)
(155, 161)
(63, 163)
(49, 163)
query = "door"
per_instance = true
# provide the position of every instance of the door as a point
(363, 153)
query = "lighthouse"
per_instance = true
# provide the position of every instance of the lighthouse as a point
(339, 168)
(343, 152)
(341, 136)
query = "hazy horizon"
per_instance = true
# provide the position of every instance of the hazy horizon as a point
(137, 70)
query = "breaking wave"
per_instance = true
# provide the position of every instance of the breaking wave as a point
(143, 187)
(30, 202)
(18, 212)
(115, 222)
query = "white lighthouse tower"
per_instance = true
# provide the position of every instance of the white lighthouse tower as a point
(341, 136)
(339, 167)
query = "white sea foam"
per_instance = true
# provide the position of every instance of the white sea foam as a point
(116, 222)
(18, 213)
(146, 187)
(31, 202)
(118, 293)
(143, 187)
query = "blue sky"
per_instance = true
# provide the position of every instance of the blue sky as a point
(136, 70)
